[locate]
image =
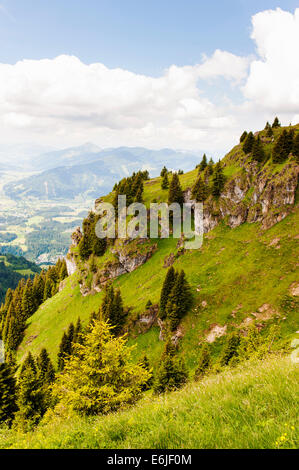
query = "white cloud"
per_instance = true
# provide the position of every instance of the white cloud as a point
(63, 101)
(273, 81)
(224, 64)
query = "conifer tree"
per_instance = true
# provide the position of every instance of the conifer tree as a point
(179, 301)
(257, 150)
(210, 167)
(172, 373)
(175, 191)
(276, 123)
(29, 398)
(218, 180)
(203, 163)
(100, 376)
(204, 362)
(8, 405)
(230, 348)
(48, 289)
(199, 190)
(243, 136)
(248, 143)
(282, 147)
(165, 182)
(166, 289)
(45, 369)
(78, 333)
(63, 274)
(62, 352)
(163, 172)
(139, 195)
(146, 365)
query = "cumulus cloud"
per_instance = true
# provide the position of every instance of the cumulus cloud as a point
(224, 64)
(273, 81)
(63, 101)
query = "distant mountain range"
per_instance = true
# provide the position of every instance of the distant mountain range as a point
(89, 172)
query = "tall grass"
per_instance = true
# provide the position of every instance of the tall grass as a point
(252, 406)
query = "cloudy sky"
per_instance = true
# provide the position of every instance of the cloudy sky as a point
(183, 74)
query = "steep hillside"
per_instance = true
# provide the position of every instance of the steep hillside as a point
(246, 269)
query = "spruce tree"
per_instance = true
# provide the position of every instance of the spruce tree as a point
(100, 377)
(269, 132)
(175, 191)
(62, 352)
(45, 369)
(63, 274)
(257, 150)
(210, 167)
(48, 289)
(8, 406)
(203, 163)
(165, 182)
(179, 301)
(243, 136)
(146, 365)
(276, 123)
(230, 348)
(29, 398)
(204, 362)
(166, 289)
(171, 373)
(199, 191)
(248, 143)
(163, 172)
(28, 304)
(218, 180)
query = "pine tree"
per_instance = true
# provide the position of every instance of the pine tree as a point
(28, 304)
(48, 289)
(248, 143)
(203, 163)
(84, 248)
(100, 377)
(276, 123)
(45, 369)
(117, 315)
(199, 190)
(179, 301)
(166, 289)
(62, 352)
(139, 195)
(210, 167)
(8, 406)
(282, 147)
(78, 333)
(230, 348)
(175, 191)
(146, 365)
(171, 373)
(257, 150)
(29, 398)
(218, 180)
(165, 182)
(163, 172)
(204, 362)
(63, 274)
(243, 136)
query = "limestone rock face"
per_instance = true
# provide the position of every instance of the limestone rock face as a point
(253, 195)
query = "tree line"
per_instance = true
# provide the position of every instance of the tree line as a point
(23, 301)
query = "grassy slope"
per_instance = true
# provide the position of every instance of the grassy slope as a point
(234, 267)
(255, 407)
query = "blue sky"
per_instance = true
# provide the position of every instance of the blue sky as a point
(144, 36)
(170, 73)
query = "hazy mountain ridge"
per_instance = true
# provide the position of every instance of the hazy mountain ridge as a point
(86, 172)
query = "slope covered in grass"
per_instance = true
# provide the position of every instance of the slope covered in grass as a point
(236, 270)
(251, 407)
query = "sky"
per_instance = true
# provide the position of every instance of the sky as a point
(185, 74)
